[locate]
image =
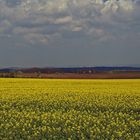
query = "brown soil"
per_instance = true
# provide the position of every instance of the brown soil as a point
(82, 76)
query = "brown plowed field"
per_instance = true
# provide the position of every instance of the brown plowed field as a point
(83, 76)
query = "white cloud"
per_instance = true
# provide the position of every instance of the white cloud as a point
(39, 20)
(63, 20)
(36, 37)
(4, 25)
(114, 5)
(76, 29)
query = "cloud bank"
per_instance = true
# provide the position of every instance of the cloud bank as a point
(48, 21)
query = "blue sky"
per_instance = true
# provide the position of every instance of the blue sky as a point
(69, 32)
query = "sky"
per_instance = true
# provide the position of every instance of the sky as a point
(69, 33)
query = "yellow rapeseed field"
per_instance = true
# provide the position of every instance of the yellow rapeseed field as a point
(40, 109)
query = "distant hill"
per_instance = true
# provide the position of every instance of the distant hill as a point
(7, 70)
(68, 70)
